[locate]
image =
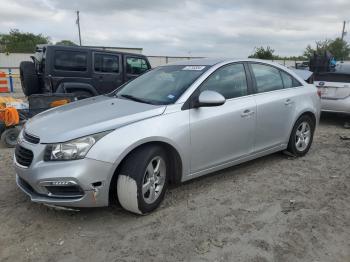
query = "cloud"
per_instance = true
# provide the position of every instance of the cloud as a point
(196, 27)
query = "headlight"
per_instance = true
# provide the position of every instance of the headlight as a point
(72, 150)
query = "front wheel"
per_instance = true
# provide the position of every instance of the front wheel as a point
(301, 137)
(143, 179)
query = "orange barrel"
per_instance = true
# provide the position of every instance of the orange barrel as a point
(4, 88)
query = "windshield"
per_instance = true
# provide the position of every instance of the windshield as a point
(161, 86)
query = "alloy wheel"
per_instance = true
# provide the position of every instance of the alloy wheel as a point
(302, 136)
(153, 180)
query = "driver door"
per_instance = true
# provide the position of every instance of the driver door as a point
(223, 133)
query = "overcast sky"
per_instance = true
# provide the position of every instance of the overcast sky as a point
(198, 27)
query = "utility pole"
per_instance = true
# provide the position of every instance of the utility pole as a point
(78, 23)
(343, 31)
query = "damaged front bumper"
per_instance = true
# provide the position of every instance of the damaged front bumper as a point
(77, 183)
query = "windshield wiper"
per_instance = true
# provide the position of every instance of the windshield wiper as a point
(135, 99)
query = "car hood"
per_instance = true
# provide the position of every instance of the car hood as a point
(88, 116)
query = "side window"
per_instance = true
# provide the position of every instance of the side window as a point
(70, 60)
(106, 63)
(136, 66)
(267, 78)
(230, 81)
(289, 81)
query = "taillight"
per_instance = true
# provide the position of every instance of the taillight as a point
(319, 92)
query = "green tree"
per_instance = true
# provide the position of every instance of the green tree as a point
(19, 42)
(263, 53)
(66, 42)
(339, 48)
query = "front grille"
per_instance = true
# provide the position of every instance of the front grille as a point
(24, 157)
(30, 138)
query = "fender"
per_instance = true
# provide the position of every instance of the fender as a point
(66, 86)
(120, 142)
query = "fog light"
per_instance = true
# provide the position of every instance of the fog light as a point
(62, 188)
(58, 183)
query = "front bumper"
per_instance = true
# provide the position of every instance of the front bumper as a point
(91, 176)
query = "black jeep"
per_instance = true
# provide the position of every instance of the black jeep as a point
(83, 71)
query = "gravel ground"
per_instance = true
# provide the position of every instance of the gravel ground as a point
(276, 208)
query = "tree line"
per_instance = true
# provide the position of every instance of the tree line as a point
(20, 42)
(338, 47)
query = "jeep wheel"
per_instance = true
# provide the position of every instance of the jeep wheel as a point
(143, 180)
(29, 78)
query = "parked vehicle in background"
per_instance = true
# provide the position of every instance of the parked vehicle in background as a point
(333, 83)
(172, 124)
(304, 65)
(83, 71)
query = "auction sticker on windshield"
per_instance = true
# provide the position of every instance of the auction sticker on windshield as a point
(194, 68)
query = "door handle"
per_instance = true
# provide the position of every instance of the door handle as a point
(247, 113)
(288, 102)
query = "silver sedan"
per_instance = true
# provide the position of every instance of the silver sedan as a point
(172, 124)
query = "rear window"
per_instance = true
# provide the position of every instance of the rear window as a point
(289, 81)
(70, 60)
(105, 63)
(136, 66)
(267, 78)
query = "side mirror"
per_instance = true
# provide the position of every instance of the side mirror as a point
(210, 98)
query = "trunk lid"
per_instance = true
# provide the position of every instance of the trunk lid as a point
(333, 90)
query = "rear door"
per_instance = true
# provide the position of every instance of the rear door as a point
(223, 133)
(67, 65)
(275, 99)
(107, 73)
(135, 66)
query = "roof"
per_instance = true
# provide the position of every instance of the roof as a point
(214, 61)
(114, 47)
(201, 61)
(96, 49)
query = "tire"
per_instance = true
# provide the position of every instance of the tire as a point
(9, 137)
(140, 187)
(80, 95)
(2, 127)
(29, 78)
(302, 136)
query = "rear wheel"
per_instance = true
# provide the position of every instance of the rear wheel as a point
(9, 137)
(143, 180)
(301, 137)
(2, 127)
(29, 78)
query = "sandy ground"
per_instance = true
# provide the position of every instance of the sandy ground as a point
(276, 208)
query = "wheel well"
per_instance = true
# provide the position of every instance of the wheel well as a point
(307, 113)
(310, 114)
(175, 168)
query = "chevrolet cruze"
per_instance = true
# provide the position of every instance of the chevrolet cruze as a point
(172, 124)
